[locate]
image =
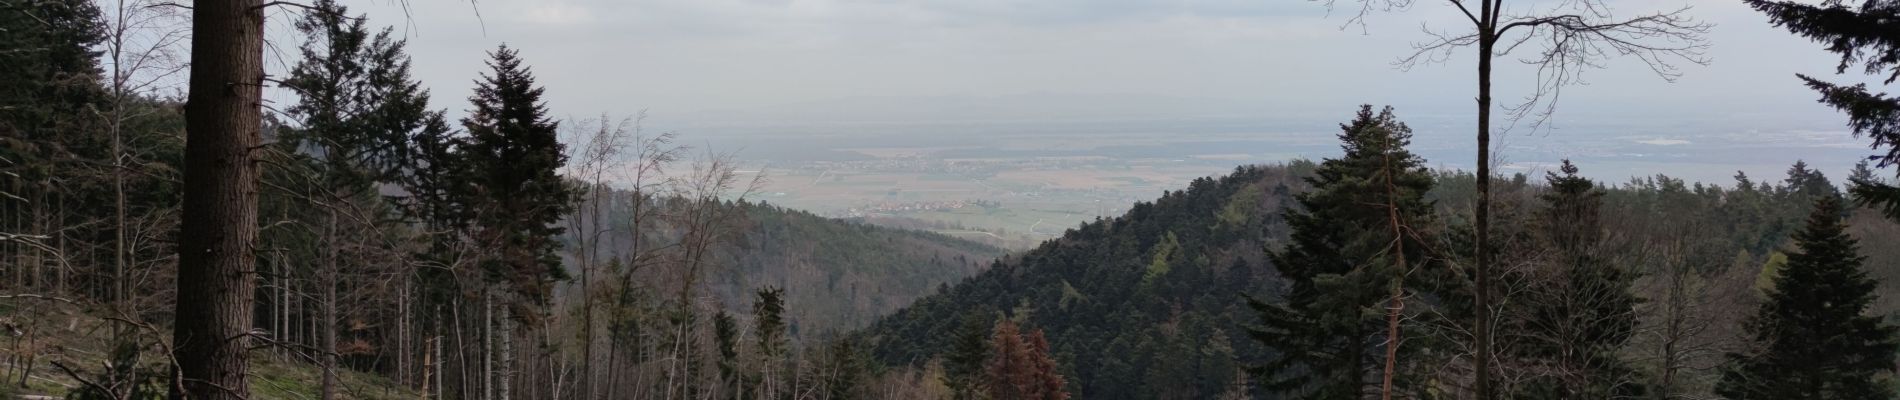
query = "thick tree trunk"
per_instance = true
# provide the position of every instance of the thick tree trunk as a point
(216, 269)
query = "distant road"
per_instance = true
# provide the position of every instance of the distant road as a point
(970, 232)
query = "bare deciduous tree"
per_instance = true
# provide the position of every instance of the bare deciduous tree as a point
(141, 56)
(1568, 38)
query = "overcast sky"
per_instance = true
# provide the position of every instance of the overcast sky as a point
(681, 57)
(775, 63)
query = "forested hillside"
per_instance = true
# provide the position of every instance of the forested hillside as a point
(838, 275)
(1152, 304)
(1142, 305)
(494, 257)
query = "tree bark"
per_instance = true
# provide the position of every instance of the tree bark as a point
(329, 323)
(216, 269)
(488, 344)
(1397, 308)
(1481, 271)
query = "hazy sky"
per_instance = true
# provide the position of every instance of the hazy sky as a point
(684, 56)
(900, 60)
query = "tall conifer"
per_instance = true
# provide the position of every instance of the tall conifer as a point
(1340, 264)
(1581, 316)
(513, 155)
(1813, 338)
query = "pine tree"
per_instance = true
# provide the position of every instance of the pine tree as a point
(1339, 264)
(1862, 172)
(512, 156)
(358, 108)
(1813, 338)
(49, 88)
(1808, 183)
(725, 340)
(846, 371)
(1862, 35)
(768, 319)
(1582, 315)
(358, 105)
(963, 366)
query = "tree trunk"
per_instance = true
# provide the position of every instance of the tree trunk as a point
(488, 345)
(1394, 311)
(506, 366)
(1481, 270)
(216, 274)
(328, 322)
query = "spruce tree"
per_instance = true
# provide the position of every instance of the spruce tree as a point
(1863, 36)
(725, 341)
(512, 156)
(768, 319)
(1340, 264)
(1808, 183)
(1581, 316)
(1813, 338)
(358, 107)
(963, 366)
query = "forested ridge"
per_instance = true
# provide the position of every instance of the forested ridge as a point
(1150, 304)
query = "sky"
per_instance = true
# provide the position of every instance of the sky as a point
(691, 63)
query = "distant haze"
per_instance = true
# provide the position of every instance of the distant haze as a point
(744, 68)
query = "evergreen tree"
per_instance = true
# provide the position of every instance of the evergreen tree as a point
(1863, 36)
(1808, 183)
(512, 156)
(768, 318)
(49, 71)
(847, 370)
(1862, 172)
(49, 153)
(358, 105)
(963, 366)
(1339, 264)
(1813, 338)
(725, 339)
(1581, 316)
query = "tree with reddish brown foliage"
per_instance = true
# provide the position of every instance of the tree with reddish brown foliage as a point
(1020, 367)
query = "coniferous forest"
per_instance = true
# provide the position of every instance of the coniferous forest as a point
(170, 231)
